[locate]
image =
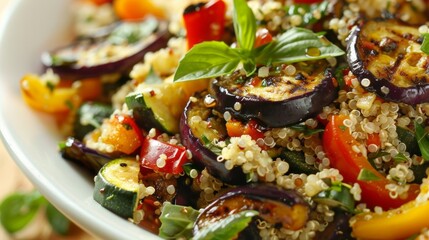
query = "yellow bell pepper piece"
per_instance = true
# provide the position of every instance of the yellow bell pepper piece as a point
(399, 223)
(40, 96)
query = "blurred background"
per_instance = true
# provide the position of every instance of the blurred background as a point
(13, 180)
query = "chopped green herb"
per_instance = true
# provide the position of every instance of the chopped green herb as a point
(343, 128)
(400, 158)
(372, 156)
(422, 140)
(367, 175)
(152, 77)
(310, 13)
(425, 44)
(306, 130)
(337, 195)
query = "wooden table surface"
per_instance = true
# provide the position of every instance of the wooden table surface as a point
(12, 179)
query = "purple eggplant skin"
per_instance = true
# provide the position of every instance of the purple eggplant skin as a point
(73, 71)
(277, 206)
(205, 157)
(277, 113)
(75, 151)
(410, 95)
(339, 228)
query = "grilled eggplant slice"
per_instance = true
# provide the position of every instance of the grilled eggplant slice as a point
(280, 207)
(113, 50)
(198, 128)
(385, 56)
(281, 98)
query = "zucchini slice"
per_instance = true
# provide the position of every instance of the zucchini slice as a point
(386, 58)
(149, 112)
(117, 186)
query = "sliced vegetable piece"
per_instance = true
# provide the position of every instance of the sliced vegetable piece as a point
(117, 186)
(338, 144)
(385, 56)
(276, 100)
(296, 161)
(116, 52)
(339, 228)
(277, 206)
(163, 157)
(46, 97)
(204, 21)
(137, 9)
(74, 150)
(395, 223)
(161, 105)
(199, 127)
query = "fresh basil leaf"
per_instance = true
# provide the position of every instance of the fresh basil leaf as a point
(367, 175)
(249, 66)
(18, 209)
(295, 45)
(60, 224)
(177, 221)
(422, 140)
(207, 60)
(244, 25)
(228, 227)
(152, 77)
(425, 44)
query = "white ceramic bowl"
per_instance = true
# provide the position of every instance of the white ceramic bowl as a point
(28, 28)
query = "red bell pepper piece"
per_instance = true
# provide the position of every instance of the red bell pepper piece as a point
(152, 150)
(337, 143)
(204, 21)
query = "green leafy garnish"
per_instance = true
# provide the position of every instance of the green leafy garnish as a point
(60, 224)
(372, 156)
(18, 209)
(306, 11)
(228, 227)
(425, 44)
(337, 195)
(133, 32)
(400, 158)
(422, 140)
(306, 130)
(177, 221)
(367, 175)
(152, 77)
(214, 59)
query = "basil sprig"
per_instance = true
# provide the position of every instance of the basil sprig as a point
(213, 59)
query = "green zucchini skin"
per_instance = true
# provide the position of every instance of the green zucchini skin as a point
(111, 193)
(148, 114)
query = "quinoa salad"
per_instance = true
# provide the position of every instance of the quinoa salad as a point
(258, 119)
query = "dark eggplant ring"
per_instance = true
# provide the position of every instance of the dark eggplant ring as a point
(74, 71)
(358, 59)
(203, 156)
(279, 113)
(277, 206)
